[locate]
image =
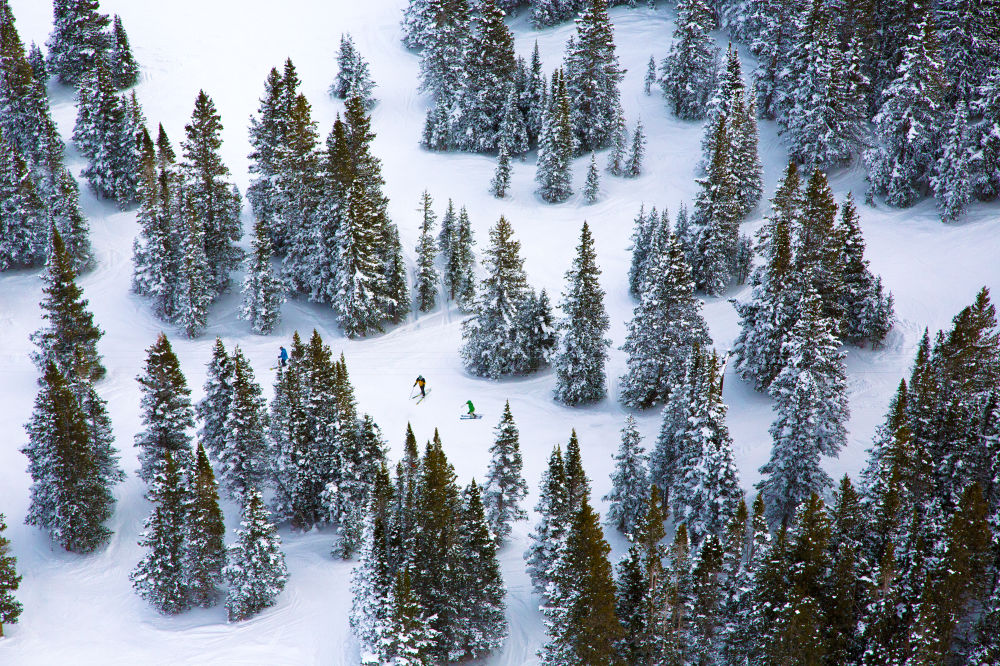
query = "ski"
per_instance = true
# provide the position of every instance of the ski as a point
(420, 398)
(469, 417)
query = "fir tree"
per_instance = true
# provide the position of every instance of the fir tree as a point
(582, 350)
(213, 409)
(501, 177)
(580, 617)
(535, 335)
(124, 68)
(592, 188)
(353, 79)
(443, 48)
(37, 61)
(427, 275)
(868, 311)
(691, 67)
(71, 470)
(256, 570)
(359, 268)
(267, 132)
(629, 482)
(460, 265)
(206, 550)
(651, 77)
(211, 198)
(449, 229)
(553, 510)
(633, 167)
(70, 337)
(22, 231)
(950, 182)
(619, 144)
(245, 455)
(371, 581)
(410, 636)
(263, 290)
(161, 577)
(417, 22)
(98, 133)
(505, 487)
(556, 146)
(166, 412)
(10, 607)
(77, 40)
(513, 130)
(194, 286)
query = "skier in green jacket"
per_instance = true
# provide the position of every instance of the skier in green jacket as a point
(472, 408)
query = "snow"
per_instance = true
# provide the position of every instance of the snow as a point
(83, 610)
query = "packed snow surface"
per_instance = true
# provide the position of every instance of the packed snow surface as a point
(82, 610)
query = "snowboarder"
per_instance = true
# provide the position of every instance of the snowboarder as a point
(421, 382)
(282, 357)
(472, 409)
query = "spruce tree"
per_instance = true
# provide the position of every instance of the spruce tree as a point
(360, 272)
(443, 48)
(619, 144)
(267, 131)
(70, 337)
(206, 550)
(372, 579)
(353, 79)
(77, 40)
(556, 145)
(651, 76)
(951, 182)
(161, 577)
(501, 177)
(717, 217)
(255, 568)
(263, 290)
(37, 61)
(213, 409)
(867, 309)
(582, 351)
(194, 285)
(505, 487)
(449, 229)
(513, 132)
(691, 67)
(633, 167)
(22, 230)
(100, 124)
(553, 510)
(245, 455)
(460, 266)
(166, 412)
(124, 68)
(592, 188)
(427, 275)
(211, 197)
(72, 470)
(629, 482)
(10, 607)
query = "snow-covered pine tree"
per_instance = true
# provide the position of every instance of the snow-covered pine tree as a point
(691, 68)
(372, 579)
(359, 270)
(245, 456)
(908, 124)
(811, 406)
(501, 177)
(121, 62)
(161, 576)
(490, 346)
(449, 229)
(556, 145)
(77, 40)
(427, 275)
(772, 45)
(298, 479)
(629, 494)
(155, 251)
(353, 79)
(72, 473)
(505, 487)
(746, 163)
(255, 568)
(166, 411)
(69, 338)
(22, 219)
(212, 198)
(642, 239)
(867, 310)
(100, 125)
(483, 625)
(360, 459)
(583, 349)
(951, 182)
(592, 188)
(666, 326)
(213, 409)
(206, 549)
(651, 76)
(582, 586)
(37, 61)
(460, 264)
(263, 290)
(267, 131)
(194, 284)
(592, 77)
(633, 167)
(298, 193)
(553, 511)
(967, 29)
(619, 145)
(10, 607)
(418, 21)
(535, 335)
(442, 57)
(536, 97)
(513, 128)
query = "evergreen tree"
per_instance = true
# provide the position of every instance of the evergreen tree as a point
(633, 168)
(691, 67)
(161, 577)
(70, 337)
(950, 182)
(10, 607)
(256, 570)
(619, 144)
(535, 335)
(592, 188)
(213, 409)
(411, 637)
(72, 472)
(245, 455)
(449, 230)
(427, 275)
(206, 550)
(124, 68)
(360, 272)
(582, 351)
(592, 77)
(501, 177)
(371, 581)
(37, 61)
(556, 145)
(77, 40)
(443, 48)
(353, 79)
(166, 412)
(212, 199)
(629, 482)
(553, 510)
(194, 285)
(651, 77)
(642, 240)
(263, 290)
(490, 346)
(505, 487)
(22, 234)
(868, 311)
(513, 129)
(267, 132)
(100, 134)
(580, 617)
(666, 326)
(417, 22)
(460, 265)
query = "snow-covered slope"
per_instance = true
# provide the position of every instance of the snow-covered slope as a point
(82, 609)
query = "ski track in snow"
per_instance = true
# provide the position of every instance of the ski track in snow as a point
(82, 609)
